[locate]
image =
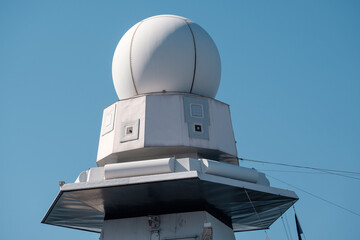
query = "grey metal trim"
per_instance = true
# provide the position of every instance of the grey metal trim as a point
(131, 69)
(193, 37)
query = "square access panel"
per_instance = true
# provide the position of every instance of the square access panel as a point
(129, 130)
(197, 116)
(198, 130)
(108, 120)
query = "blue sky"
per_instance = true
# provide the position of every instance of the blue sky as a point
(290, 72)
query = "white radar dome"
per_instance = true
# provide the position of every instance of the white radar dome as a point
(166, 53)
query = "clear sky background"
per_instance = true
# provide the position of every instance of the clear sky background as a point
(290, 72)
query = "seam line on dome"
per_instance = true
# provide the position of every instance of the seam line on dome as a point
(131, 68)
(193, 37)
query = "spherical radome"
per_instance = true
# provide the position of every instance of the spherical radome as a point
(166, 53)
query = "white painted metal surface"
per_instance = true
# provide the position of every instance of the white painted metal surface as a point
(169, 165)
(139, 168)
(178, 176)
(230, 171)
(177, 226)
(166, 53)
(163, 130)
(131, 110)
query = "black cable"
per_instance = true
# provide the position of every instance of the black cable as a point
(290, 171)
(297, 166)
(338, 174)
(320, 172)
(327, 171)
(318, 197)
(276, 170)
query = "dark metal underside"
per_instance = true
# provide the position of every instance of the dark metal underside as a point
(86, 207)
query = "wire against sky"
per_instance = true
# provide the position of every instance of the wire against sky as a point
(324, 170)
(316, 196)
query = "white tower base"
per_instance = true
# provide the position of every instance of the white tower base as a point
(179, 226)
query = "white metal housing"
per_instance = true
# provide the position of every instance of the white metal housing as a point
(139, 168)
(166, 125)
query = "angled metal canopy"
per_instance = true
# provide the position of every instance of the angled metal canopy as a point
(241, 205)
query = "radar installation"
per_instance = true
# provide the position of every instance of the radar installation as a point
(167, 159)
